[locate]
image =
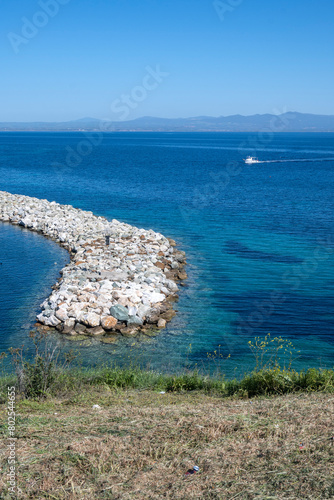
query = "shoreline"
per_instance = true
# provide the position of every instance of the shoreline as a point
(121, 280)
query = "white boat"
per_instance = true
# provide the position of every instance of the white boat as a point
(251, 159)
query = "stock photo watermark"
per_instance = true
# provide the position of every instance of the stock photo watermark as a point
(206, 194)
(11, 447)
(264, 137)
(211, 192)
(224, 7)
(139, 93)
(74, 156)
(31, 27)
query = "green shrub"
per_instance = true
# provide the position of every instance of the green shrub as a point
(36, 378)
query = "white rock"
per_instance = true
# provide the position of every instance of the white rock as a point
(172, 286)
(61, 314)
(90, 319)
(51, 321)
(132, 311)
(156, 297)
(76, 309)
(143, 310)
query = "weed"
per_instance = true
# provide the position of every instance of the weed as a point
(268, 352)
(35, 378)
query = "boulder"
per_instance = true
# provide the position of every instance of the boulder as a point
(97, 330)
(90, 319)
(106, 287)
(76, 308)
(162, 323)
(120, 312)
(40, 318)
(182, 275)
(26, 222)
(124, 301)
(135, 320)
(79, 328)
(168, 315)
(129, 331)
(61, 314)
(156, 297)
(143, 311)
(180, 256)
(51, 321)
(108, 322)
(132, 311)
(68, 326)
(172, 286)
(152, 316)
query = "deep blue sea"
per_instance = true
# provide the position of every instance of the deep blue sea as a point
(259, 238)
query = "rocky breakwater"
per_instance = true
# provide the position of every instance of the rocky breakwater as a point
(120, 279)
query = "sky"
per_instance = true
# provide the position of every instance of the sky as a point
(122, 59)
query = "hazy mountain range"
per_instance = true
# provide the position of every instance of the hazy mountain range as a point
(286, 122)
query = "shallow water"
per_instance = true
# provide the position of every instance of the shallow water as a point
(29, 264)
(259, 238)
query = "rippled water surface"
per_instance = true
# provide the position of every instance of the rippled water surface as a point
(259, 238)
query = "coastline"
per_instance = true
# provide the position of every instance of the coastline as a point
(120, 279)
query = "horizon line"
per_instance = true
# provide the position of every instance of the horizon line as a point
(164, 118)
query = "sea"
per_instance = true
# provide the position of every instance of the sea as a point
(259, 240)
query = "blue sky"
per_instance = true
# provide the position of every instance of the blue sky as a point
(77, 58)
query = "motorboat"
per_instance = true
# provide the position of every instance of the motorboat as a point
(251, 159)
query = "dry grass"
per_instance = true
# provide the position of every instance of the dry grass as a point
(140, 444)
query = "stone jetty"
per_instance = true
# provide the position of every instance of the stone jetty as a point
(120, 279)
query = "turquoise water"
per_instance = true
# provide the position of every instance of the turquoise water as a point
(29, 264)
(259, 238)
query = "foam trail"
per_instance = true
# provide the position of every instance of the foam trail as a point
(296, 159)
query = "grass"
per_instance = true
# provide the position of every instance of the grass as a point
(268, 435)
(139, 445)
(46, 375)
(264, 382)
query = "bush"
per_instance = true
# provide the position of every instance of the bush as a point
(34, 379)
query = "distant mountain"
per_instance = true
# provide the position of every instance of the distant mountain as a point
(71, 126)
(286, 122)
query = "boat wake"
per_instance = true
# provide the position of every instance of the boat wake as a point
(295, 159)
